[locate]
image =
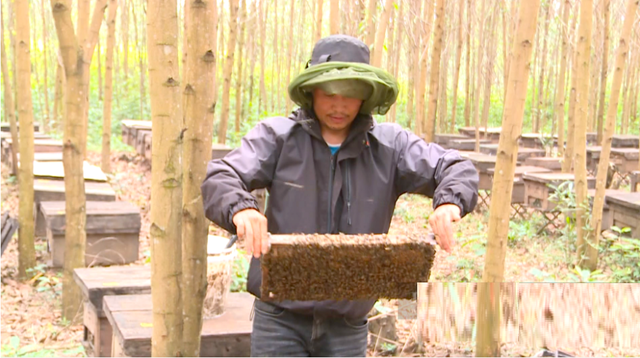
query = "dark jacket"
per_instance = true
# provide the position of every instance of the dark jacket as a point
(310, 191)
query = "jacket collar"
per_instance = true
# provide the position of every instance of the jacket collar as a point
(309, 122)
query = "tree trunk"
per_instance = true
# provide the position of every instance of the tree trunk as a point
(318, 28)
(489, 314)
(567, 164)
(583, 60)
(371, 33)
(9, 108)
(124, 21)
(380, 34)
(263, 91)
(290, 46)
(228, 71)
(538, 114)
(58, 101)
(99, 50)
(334, 19)
(478, 82)
(139, 44)
(519, 67)
(491, 54)
(275, 99)
(108, 92)
(420, 91)
(430, 124)
(560, 95)
(76, 56)
(624, 125)
(26, 246)
(45, 47)
(239, 79)
(467, 70)
(397, 45)
(199, 114)
(456, 69)
(591, 251)
(413, 58)
(166, 182)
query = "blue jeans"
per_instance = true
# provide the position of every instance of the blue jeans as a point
(280, 332)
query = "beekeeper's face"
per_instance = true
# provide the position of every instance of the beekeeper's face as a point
(335, 112)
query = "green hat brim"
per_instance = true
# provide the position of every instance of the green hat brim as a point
(384, 88)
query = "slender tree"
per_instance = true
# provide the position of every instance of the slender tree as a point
(199, 108)
(108, 91)
(567, 163)
(76, 48)
(456, 68)
(9, 109)
(519, 68)
(334, 18)
(560, 93)
(380, 34)
(591, 251)
(430, 124)
(26, 246)
(583, 59)
(422, 84)
(239, 77)
(45, 48)
(467, 69)
(228, 71)
(370, 25)
(318, 29)
(491, 55)
(166, 182)
(537, 127)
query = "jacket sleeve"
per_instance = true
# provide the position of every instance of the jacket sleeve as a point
(428, 169)
(229, 181)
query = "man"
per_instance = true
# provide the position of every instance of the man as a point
(330, 168)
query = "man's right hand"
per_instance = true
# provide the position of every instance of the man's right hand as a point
(251, 226)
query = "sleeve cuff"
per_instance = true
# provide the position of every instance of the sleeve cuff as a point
(241, 205)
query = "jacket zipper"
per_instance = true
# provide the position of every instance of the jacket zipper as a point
(349, 193)
(330, 193)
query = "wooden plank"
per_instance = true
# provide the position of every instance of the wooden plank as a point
(523, 153)
(5, 127)
(466, 144)
(55, 170)
(140, 137)
(43, 145)
(218, 151)
(147, 146)
(98, 282)
(54, 190)
(630, 201)
(444, 139)
(553, 164)
(625, 141)
(520, 171)
(228, 335)
(103, 217)
(635, 180)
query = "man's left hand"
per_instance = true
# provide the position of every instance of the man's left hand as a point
(441, 222)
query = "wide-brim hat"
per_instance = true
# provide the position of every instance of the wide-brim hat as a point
(339, 64)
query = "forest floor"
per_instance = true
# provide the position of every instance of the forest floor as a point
(31, 312)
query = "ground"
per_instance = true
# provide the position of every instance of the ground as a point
(31, 314)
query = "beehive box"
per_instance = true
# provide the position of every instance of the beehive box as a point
(635, 181)
(465, 144)
(38, 157)
(553, 164)
(517, 194)
(607, 217)
(593, 157)
(523, 153)
(55, 170)
(147, 146)
(444, 139)
(492, 133)
(140, 138)
(536, 140)
(483, 163)
(625, 209)
(625, 159)
(625, 141)
(345, 267)
(6, 127)
(54, 190)
(219, 150)
(113, 230)
(592, 138)
(98, 282)
(537, 188)
(134, 126)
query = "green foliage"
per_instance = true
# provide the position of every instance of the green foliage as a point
(239, 274)
(13, 349)
(624, 257)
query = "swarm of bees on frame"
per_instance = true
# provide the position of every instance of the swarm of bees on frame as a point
(346, 267)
